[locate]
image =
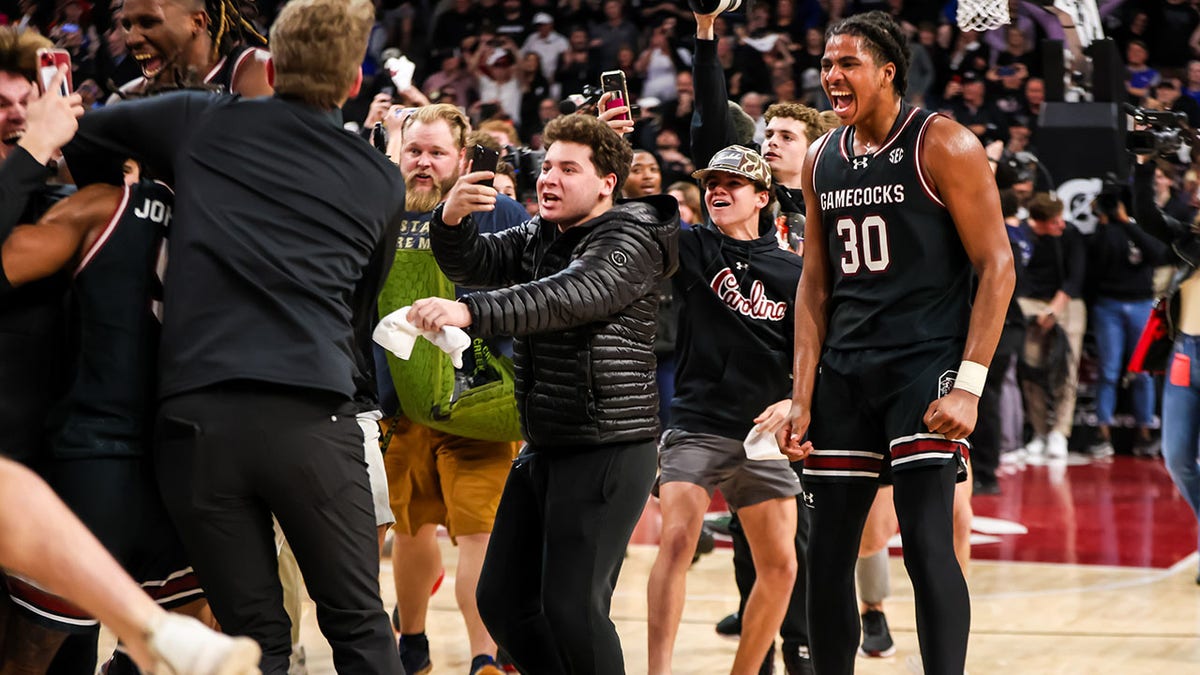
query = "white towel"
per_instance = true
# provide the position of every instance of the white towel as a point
(760, 446)
(395, 334)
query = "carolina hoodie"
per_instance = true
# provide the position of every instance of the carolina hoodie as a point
(735, 329)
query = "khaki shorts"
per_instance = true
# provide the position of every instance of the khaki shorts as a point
(441, 479)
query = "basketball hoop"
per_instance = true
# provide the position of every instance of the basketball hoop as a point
(981, 15)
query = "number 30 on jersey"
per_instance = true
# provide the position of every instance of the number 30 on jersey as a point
(864, 244)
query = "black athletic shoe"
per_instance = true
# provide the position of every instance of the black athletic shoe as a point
(730, 626)
(1147, 448)
(414, 654)
(986, 486)
(796, 660)
(705, 544)
(768, 664)
(877, 639)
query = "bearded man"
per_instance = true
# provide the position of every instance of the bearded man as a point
(435, 476)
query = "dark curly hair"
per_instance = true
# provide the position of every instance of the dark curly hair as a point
(610, 152)
(883, 38)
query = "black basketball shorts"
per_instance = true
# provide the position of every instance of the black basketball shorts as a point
(868, 409)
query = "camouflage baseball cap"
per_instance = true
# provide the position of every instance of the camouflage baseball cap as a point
(739, 160)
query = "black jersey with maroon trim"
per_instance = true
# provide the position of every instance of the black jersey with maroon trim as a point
(900, 273)
(117, 298)
(225, 72)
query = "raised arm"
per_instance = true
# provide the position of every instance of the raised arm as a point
(50, 124)
(959, 169)
(712, 122)
(1151, 218)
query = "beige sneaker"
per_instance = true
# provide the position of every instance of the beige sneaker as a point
(183, 646)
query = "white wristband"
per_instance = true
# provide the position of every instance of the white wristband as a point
(971, 377)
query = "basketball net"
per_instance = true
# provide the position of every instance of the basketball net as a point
(981, 15)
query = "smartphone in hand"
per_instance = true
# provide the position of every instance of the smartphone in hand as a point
(484, 159)
(49, 61)
(614, 81)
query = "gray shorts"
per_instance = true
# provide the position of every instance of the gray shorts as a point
(718, 462)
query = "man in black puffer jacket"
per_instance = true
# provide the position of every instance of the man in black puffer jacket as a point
(578, 292)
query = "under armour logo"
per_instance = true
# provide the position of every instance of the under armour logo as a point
(896, 155)
(808, 499)
(740, 265)
(861, 162)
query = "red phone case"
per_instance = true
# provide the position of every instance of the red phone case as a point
(49, 61)
(1181, 370)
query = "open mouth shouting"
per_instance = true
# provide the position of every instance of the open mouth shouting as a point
(721, 203)
(11, 137)
(841, 99)
(152, 63)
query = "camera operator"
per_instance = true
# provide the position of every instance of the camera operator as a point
(1181, 391)
(1121, 258)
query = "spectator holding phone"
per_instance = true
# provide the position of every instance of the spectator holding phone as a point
(437, 476)
(577, 287)
(33, 372)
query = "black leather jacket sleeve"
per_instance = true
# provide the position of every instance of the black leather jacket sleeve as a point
(616, 266)
(473, 260)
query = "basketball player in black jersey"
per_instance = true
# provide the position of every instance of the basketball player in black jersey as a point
(189, 43)
(111, 241)
(901, 207)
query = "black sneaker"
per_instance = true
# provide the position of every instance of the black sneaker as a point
(985, 486)
(414, 654)
(1147, 448)
(705, 544)
(484, 664)
(730, 626)
(877, 639)
(768, 664)
(796, 659)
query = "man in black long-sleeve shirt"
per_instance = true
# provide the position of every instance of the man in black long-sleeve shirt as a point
(1122, 258)
(279, 241)
(1051, 293)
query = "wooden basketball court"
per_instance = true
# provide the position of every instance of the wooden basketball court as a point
(1080, 567)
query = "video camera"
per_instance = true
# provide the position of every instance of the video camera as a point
(1166, 133)
(526, 164)
(586, 101)
(589, 97)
